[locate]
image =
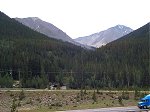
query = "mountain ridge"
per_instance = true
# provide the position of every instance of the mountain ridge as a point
(44, 27)
(123, 63)
(48, 29)
(103, 37)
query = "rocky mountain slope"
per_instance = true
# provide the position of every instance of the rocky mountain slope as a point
(48, 29)
(45, 28)
(104, 37)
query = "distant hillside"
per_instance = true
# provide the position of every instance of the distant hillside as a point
(37, 60)
(45, 28)
(127, 58)
(48, 29)
(32, 53)
(104, 37)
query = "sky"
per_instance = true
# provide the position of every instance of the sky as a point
(81, 17)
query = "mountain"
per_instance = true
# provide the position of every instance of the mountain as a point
(48, 29)
(45, 28)
(128, 58)
(33, 55)
(37, 60)
(104, 37)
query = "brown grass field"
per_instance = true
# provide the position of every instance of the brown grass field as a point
(58, 100)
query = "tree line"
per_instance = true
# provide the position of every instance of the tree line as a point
(37, 60)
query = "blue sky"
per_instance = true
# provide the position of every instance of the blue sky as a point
(81, 17)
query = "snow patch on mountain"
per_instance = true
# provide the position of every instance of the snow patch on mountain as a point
(104, 37)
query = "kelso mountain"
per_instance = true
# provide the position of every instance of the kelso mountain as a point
(37, 60)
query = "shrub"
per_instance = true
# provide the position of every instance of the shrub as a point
(120, 100)
(13, 106)
(81, 94)
(85, 91)
(94, 97)
(19, 104)
(137, 94)
(29, 101)
(125, 95)
(11, 94)
(59, 104)
(21, 95)
(50, 106)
